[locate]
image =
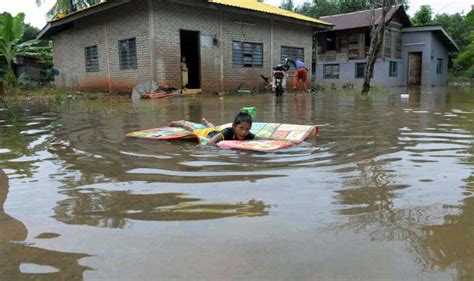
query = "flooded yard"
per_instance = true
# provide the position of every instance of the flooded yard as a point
(385, 192)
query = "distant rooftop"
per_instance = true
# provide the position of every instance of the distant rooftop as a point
(362, 18)
(438, 30)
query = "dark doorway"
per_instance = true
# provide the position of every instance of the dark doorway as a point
(414, 68)
(190, 49)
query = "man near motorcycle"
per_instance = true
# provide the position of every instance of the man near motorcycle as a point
(301, 73)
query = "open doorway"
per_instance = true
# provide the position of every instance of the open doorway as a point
(414, 68)
(190, 49)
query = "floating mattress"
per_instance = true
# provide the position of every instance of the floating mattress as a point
(274, 135)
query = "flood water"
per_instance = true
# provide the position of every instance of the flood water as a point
(385, 192)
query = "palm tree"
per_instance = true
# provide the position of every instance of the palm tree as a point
(68, 6)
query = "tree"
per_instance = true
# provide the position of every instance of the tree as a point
(347, 6)
(319, 8)
(457, 27)
(377, 32)
(423, 16)
(287, 5)
(11, 31)
(465, 60)
(68, 6)
(30, 33)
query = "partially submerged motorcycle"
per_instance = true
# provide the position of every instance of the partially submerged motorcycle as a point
(279, 78)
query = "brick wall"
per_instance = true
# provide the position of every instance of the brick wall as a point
(106, 29)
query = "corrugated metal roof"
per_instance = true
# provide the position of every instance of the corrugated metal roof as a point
(363, 18)
(268, 9)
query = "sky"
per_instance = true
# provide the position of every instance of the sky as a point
(36, 16)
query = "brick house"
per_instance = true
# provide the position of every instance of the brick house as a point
(117, 44)
(408, 55)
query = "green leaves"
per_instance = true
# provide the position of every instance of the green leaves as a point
(11, 28)
(67, 6)
(423, 16)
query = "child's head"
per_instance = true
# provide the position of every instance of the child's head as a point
(242, 125)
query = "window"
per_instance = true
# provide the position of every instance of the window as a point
(367, 39)
(360, 70)
(331, 71)
(128, 53)
(439, 66)
(331, 41)
(91, 58)
(291, 52)
(393, 69)
(246, 54)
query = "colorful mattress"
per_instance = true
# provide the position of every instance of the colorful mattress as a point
(274, 136)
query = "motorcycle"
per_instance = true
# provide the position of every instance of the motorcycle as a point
(279, 77)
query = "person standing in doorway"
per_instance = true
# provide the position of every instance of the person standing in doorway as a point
(301, 73)
(184, 74)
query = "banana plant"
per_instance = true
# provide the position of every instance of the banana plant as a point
(11, 31)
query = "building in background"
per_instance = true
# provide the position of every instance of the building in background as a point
(228, 44)
(408, 55)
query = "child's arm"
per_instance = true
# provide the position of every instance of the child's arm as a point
(215, 139)
(207, 123)
(181, 124)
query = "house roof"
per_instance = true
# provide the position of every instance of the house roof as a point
(438, 30)
(363, 18)
(253, 5)
(64, 22)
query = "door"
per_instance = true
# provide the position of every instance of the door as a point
(414, 68)
(190, 49)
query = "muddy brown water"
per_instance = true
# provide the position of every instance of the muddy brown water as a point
(384, 193)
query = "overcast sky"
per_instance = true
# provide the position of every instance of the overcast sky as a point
(36, 16)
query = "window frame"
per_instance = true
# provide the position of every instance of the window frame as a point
(393, 71)
(91, 63)
(131, 60)
(357, 64)
(245, 52)
(331, 76)
(291, 51)
(333, 43)
(439, 66)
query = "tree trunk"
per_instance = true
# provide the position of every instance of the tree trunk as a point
(375, 43)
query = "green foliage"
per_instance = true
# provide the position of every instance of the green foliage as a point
(39, 49)
(457, 27)
(30, 33)
(470, 17)
(68, 6)
(11, 31)
(12, 44)
(423, 16)
(464, 62)
(287, 5)
(319, 8)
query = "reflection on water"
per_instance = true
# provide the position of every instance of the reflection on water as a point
(113, 209)
(390, 173)
(19, 261)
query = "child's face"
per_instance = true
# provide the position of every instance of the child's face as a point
(241, 130)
